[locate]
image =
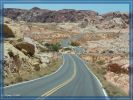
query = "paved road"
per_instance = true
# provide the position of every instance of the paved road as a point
(72, 79)
(65, 42)
(83, 84)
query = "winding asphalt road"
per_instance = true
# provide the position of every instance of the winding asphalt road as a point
(73, 78)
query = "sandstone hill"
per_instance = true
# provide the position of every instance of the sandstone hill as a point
(108, 20)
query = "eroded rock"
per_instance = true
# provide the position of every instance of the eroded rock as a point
(29, 48)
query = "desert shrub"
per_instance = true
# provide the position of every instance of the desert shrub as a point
(84, 23)
(11, 54)
(42, 49)
(110, 51)
(47, 44)
(53, 47)
(12, 82)
(74, 43)
(18, 79)
(100, 62)
(8, 32)
(67, 49)
(37, 67)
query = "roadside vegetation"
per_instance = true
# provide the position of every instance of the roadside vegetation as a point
(33, 74)
(75, 43)
(99, 69)
(66, 49)
(53, 47)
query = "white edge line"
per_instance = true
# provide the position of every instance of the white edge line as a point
(37, 78)
(95, 77)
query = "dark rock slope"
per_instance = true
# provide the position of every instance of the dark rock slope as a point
(66, 15)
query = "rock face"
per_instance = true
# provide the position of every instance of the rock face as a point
(111, 15)
(119, 65)
(114, 68)
(8, 32)
(67, 15)
(42, 15)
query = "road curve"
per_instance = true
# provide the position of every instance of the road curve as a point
(73, 79)
(44, 84)
(84, 84)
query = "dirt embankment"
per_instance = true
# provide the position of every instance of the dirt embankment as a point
(24, 57)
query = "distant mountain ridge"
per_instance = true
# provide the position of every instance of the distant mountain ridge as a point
(65, 15)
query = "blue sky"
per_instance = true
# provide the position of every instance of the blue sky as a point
(101, 8)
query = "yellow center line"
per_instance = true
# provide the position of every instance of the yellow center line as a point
(63, 84)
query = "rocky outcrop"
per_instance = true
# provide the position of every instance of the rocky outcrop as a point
(111, 15)
(109, 20)
(42, 15)
(19, 66)
(119, 65)
(116, 68)
(12, 59)
(8, 33)
(26, 47)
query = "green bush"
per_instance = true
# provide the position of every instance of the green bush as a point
(53, 47)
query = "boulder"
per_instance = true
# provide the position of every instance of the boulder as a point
(114, 68)
(44, 60)
(43, 65)
(7, 20)
(118, 69)
(29, 48)
(8, 33)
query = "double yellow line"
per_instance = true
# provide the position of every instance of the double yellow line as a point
(63, 84)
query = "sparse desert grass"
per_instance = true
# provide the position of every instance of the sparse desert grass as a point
(99, 70)
(100, 62)
(29, 75)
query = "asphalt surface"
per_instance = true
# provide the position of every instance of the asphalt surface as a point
(84, 83)
(72, 79)
(65, 42)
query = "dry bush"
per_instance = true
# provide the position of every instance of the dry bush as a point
(37, 67)
(18, 79)
(75, 43)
